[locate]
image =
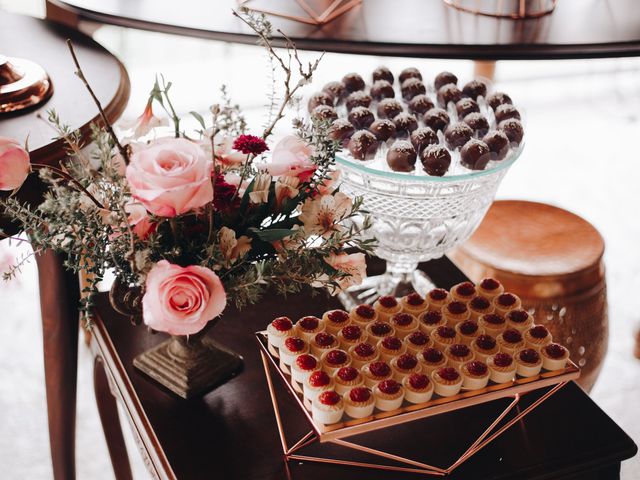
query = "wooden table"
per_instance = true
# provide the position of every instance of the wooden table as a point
(231, 433)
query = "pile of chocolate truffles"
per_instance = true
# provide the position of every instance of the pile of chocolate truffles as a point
(413, 119)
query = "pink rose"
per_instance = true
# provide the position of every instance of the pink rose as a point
(170, 176)
(14, 164)
(139, 220)
(292, 157)
(180, 301)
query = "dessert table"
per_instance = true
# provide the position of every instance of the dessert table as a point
(232, 432)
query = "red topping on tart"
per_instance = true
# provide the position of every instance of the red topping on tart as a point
(407, 361)
(539, 331)
(446, 332)
(380, 329)
(512, 336)
(418, 338)
(466, 289)
(306, 362)
(529, 355)
(390, 387)
(449, 373)
(364, 350)
(402, 319)
(282, 324)
(366, 311)
(319, 379)
(507, 299)
(309, 323)
(347, 374)
(379, 369)
(486, 342)
(324, 339)
(415, 299)
(418, 381)
(352, 332)
(431, 318)
(456, 308)
(388, 301)
(468, 327)
(555, 350)
(338, 316)
(493, 318)
(360, 394)
(477, 368)
(438, 294)
(432, 355)
(480, 303)
(490, 284)
(502, 359)
(518, 316)
(336, 357)
(392, 343)
(459, 350)
(294, 344)
(329, 398)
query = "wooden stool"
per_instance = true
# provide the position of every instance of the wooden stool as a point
(552, 259)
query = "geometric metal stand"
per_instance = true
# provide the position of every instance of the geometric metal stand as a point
(331, 12)
(514, 10)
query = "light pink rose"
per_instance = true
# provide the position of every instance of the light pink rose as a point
(292, 157)
(14, 164)
(171, 176)
(179, 300)
(139, 220)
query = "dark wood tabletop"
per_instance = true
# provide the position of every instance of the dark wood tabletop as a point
(231, 433)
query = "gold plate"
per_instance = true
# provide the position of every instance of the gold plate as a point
(23, 84)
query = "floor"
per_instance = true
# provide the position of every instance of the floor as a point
(582, 117)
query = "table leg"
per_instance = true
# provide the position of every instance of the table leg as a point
(108, 410)
(484, 68)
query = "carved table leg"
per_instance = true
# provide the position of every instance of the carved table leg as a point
(108, 410)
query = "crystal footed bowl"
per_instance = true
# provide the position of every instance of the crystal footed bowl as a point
(416, 217)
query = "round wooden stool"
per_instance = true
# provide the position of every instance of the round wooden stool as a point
(552, 259)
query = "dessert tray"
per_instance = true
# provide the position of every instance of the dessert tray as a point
(474, 374)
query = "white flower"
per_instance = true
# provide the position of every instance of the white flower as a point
(233, 248)
(145, 122)
(260, 192)
(226, 156)
(322, 215)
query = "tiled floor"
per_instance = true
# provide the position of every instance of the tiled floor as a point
(582, 124)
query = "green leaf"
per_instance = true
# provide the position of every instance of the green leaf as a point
(273, 234)
(199, 118)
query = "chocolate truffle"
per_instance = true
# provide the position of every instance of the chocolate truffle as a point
(405, 123)
(389, 108)
(410, 72)
(319, 98)
(506, 111)
(466, 106)
(475, 154)
(324, 112)
(420, 104)
(498, 98)
(477, 122)
(513, 129)
(357, 99)
(457, 135)
(382, 89)
(363, 145)
(401, 157)
(382, 73)
(341, 130)
(383, 129)
(412, 87)
(361, 117)
(475, 89)
(436, 119)
(353, 82)
(498, 144)
(448, 93)
(422, 137)
(435, 160)
(336, 90)
(444, 78)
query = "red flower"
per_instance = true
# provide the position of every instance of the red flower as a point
(250, 144)
(223, 197)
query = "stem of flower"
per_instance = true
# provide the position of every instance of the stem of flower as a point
(69, 178)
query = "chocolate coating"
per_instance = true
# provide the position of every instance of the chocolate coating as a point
(456, 135)
(382, 89)
(443, 78)
(382, 73)
(341, 131)
(412, 87)
(383, 129)
(498, 98)
(435, 160)
(357, 99)
(436, 119)
(361, 117)
(506, 111)
(363, 145)
(466, 106)
(324, 112)
(353, 82)
(422, 137)
(336, 90)
(475, 89)
(410, 72)
(319, 98)
(420, 104)
(498, 144)
(389, 108)
(475, 154)
(401, 157)
(448, 93)
(477, 122)
(513, 129)
(405, 122)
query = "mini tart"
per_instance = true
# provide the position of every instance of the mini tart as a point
(418, 388)
(554, 356)
(417, 342)
(359, 402)
(363, 353)
(479, 306)
(430, 320)
(475, 375)
(404, 365)
(468, 331)
(291, 348)
(388, 395)
(431, 359)
(537, 337)
(386, 306)
(463, 292)
(447, 381)
(458, 354)
(404, 324)
(489, 288)
(510, 341)
(377, 330)
(317, 383)
(308, 326)
(363, 314)
(279, 329)
(390, 347)
(303, 366)
(444, 336)
(502, 368)
(327, 408)
(351, 335)
(519, 319)
(484, 346)
(455, 312)
(335, 320)
(335, 359)
(438, 298)
(492, 323)
(347, 378)
(322, 342)
(414, 304)
(528, 362)
(505, 302)
(376, 372)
